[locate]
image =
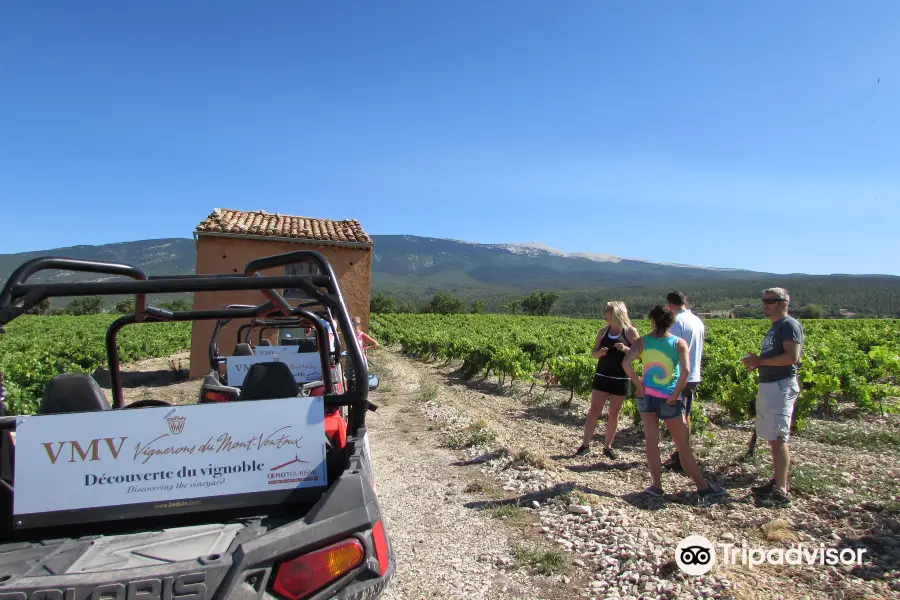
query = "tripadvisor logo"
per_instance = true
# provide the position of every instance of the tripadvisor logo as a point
(696, 555)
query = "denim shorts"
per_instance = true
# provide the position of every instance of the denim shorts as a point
(664, 410)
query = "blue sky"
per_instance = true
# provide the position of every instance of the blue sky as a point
(752, 135)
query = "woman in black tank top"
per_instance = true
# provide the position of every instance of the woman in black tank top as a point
(610, 380)
(610, 364)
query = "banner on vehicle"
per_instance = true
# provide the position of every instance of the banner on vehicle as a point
(276, 350)
(167, 458)
(306, 366)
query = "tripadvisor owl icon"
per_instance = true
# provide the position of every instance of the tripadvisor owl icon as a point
(695, 555)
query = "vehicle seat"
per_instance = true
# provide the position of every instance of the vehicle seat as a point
(264, 343)
(8, 455)
(307, 345)
(269, 381)
(72, 393)
(243, 350)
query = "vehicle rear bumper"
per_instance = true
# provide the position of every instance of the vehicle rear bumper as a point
(245, 571)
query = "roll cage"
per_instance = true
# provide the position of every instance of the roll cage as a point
(263, 324)
(19, 296)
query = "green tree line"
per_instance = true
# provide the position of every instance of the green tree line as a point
(95, 305)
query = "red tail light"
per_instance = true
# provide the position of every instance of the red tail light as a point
(301, 576)
(211, 396)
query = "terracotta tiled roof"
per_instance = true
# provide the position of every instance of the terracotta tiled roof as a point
(261, 223)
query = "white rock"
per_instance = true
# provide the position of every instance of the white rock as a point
(577, 509)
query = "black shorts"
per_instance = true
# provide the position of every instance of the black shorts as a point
(689, 393)
(612, 386)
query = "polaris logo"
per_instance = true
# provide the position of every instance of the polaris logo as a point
(190, 586)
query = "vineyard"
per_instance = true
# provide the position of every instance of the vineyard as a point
(34, 349)
(854, 361)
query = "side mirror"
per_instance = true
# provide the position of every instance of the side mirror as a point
(373, 382)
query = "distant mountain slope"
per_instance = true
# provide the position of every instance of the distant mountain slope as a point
(155, 257)
(418, 262)
(412, 267)
(412, 261)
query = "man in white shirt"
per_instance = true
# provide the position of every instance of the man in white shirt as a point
(691, 329)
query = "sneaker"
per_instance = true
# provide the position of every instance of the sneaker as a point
(764, 489)
(654, 491)
(713, 492)
(610, 453)
(776, 499)
(582, 451)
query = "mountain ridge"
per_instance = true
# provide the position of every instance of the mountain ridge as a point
(413, 267)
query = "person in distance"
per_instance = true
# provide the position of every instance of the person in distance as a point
(691, 329)
(610, 380)
(778, 391)
(364, 339)
(667, 365)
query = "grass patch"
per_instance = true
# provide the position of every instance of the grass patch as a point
(476, 434)
(481, 487)
(509, 511)
(779, 530)
(428, 389)
(874, 440)
(543, 560)
(575, 497)
(808, 482)
(530, 458)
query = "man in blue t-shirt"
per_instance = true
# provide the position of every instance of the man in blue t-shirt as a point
(778, 390)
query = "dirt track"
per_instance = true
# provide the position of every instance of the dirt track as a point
(444, 549)
(437, 536)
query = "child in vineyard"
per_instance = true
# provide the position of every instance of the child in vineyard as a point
(610, 380)
(658, 396)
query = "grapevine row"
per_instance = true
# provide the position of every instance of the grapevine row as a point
(855, 360)
(35, 349)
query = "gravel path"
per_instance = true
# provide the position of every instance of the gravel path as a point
(620, 548)
(444, 550)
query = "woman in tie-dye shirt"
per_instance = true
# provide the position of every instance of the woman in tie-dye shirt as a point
(666, 366)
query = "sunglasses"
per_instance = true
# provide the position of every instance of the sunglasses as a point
(772, 300)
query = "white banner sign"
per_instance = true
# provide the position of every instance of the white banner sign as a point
(306, 366)
(275, 350)
(168, 454)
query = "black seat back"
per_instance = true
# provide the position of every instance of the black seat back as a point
(243, 350)
(268, 381)
(307, 345)
(72, 393)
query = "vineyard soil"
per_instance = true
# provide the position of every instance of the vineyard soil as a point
(845, 482)
(156, 379)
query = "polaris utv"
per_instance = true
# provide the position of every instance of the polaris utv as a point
(269, 494)
(295, 339)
